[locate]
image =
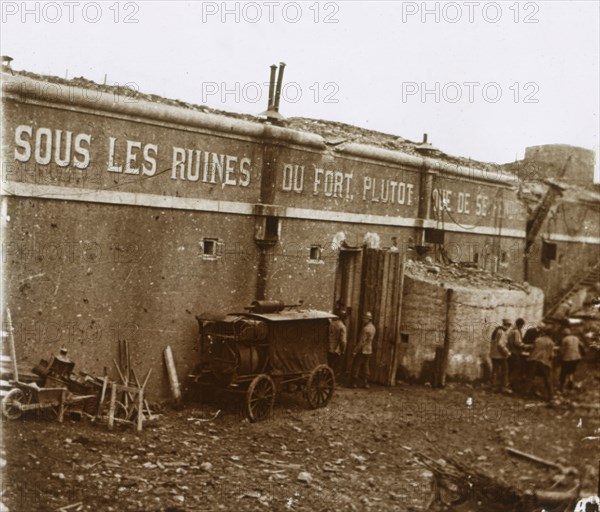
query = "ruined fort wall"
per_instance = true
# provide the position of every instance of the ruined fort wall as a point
(129, 190)
(84, 276)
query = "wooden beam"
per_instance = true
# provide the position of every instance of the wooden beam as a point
(13, 351)
(172, 373)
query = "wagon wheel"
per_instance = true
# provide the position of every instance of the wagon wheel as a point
(13, 402)
(260, 397)
(320, 385)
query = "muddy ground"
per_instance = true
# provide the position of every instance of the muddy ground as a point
(356, 451)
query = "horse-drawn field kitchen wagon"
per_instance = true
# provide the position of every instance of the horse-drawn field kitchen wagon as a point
(267, 349)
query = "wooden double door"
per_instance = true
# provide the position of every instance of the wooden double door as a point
(372, 280)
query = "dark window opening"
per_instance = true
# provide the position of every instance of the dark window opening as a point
(476, 257)
(315, 253)
(549, 253)
(434, 236)
(404, 337)
(504, 257)
(267, 229)
(211, 248)
(272, 228)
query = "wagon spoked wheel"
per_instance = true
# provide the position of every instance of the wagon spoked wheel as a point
(260, 398)
(320, 386)
(13, 402)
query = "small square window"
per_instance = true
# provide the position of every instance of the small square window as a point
(211, 248)
(316, 254)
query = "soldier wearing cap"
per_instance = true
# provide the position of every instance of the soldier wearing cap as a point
(362, 352)
(517, 348)
(499, 354)
(571, 351)
(540, 361)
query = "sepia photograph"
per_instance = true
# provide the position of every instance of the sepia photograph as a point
(300, 256)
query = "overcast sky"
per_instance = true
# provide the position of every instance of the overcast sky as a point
(483, 79)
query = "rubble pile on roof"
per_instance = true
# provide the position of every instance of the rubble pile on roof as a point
(460, 275)
(332, 132)
(129, 92)
(336, 133)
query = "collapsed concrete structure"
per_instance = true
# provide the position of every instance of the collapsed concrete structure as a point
(460, 308)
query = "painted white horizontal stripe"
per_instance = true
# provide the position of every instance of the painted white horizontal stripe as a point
(557, 237)
(365, 218)
(124, 198)
(212, 205)
(362, 218)
(477, 230)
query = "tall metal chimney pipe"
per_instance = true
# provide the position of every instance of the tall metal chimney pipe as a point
(279, 83)
(272, 86)
(424, 138)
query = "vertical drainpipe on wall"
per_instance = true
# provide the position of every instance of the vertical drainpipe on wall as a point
(267, 197)
(499, 217)
(424, 211)
(263, 238)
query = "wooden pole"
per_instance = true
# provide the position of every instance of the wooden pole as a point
(11, 341)
(398, 321)
(127, 369)
(172, 373)
(446, 349)
(140, 410)
(113, 403)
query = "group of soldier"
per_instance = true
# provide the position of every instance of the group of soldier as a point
(519, 357)
(362, 350)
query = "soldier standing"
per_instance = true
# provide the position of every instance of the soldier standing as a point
(516, 360)
(362, 352)
(540, 361)
(499, 353)
(337, 340)
(571, 349)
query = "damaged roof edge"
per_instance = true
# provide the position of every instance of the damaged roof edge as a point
(24, 88)
(50, 90)
(495, 174)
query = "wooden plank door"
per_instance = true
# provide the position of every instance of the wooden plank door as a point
(381, 295)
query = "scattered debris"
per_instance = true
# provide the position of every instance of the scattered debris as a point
(55, 388)
(456, 482)
(305, 476)
(75, 507)
(461, 275)
(280, 464)
(564, 470)
(206, 466)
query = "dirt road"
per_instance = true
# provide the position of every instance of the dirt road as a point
(353, 455)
